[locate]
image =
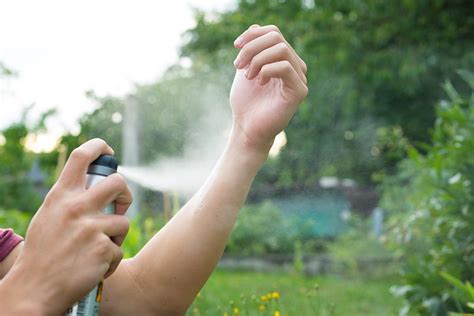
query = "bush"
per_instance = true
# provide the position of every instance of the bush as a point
(261, 229)
(435, 231)
(264, 229)
(140, 232)
(16, 220)
(359, 252)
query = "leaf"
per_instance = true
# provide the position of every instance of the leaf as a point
(467, 76)
(451, 91)
(455, 282)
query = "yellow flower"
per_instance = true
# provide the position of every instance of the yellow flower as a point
(261, 308)
(275, 295)
(269, 296)
(276, 313)
(236, 311)
(226, 314)
(263, 298)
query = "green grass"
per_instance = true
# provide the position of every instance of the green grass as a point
(301, 296)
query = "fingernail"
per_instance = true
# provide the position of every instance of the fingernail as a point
(237, 63)
(239, 41)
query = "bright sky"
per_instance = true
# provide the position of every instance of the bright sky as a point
(63, 48)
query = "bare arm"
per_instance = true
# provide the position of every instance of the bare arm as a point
(165, 276)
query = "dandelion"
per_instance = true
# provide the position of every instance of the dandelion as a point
(275, 295)
(276, 313)
(269, 296)
(226, 314)
(261, 308)
(263, 298)
(236, 311)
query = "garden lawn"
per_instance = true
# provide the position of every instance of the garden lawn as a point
(251, 293)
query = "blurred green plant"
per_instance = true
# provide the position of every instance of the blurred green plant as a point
(298, 263)
(433, 207)
(15, 219)
(371, 64)
(140, 232)
(357, 251)
(464, 292)
(264, 229)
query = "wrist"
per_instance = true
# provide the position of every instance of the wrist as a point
(242, 145)
(13, 301)
(20, 296)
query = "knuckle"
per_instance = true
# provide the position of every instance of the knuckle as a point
(87, 228)
(276, 36)
(123, 225)
(282, 49)
(265, 69)
(274, 28)
(74, 209)
(103, 246)
(53, 197)
(244, 53)
(118, 182)
(286, 65)
(80, 154)
(305, 90)
(304, 66)
(99, 141)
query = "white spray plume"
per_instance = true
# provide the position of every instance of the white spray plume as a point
(186, 173)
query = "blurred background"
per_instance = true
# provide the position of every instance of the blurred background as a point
(365, 206)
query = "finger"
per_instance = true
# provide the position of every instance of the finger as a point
(283, 70)
(117, 258)
(74, 172)
(256, 46)
(278, 52)
(114, 188)
(114, 226)
(252, 33)
(255, 32)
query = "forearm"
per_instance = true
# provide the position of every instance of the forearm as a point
(176, 263)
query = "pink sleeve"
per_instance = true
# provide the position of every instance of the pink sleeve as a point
(8, 241)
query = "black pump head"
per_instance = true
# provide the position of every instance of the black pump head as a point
(104, 165)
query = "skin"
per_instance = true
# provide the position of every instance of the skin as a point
(166, 275)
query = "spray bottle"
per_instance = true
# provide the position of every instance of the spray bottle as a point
(98, 170)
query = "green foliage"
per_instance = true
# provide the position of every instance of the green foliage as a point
(140, 232)
(260, 229)
(16, 220)
(16, 190)
(464, 292)
(371, 64)
(264, 229)
(356, 249)
(435, 213)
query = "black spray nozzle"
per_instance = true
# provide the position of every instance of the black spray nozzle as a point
(104, 165)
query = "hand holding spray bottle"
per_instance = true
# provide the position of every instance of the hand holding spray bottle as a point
(98, 170)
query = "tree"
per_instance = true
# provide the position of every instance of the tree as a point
(372, 64)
